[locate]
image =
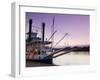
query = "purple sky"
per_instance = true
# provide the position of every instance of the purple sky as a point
(76, 25)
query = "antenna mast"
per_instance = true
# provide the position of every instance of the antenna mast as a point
(52, 31)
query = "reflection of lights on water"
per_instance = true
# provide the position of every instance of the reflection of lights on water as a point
(73, 58)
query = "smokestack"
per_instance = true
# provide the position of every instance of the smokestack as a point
(30, 28)
(43, 31)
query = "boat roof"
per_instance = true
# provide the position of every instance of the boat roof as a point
(38, 42)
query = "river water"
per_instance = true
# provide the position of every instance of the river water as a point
(73, 58)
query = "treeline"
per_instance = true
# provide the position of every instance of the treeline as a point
(77, 48)
(84, 48)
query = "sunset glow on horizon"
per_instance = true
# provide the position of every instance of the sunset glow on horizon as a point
(76, 25)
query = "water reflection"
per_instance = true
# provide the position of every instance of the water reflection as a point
(73, 58)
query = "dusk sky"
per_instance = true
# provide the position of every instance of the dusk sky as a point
(77, 26)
